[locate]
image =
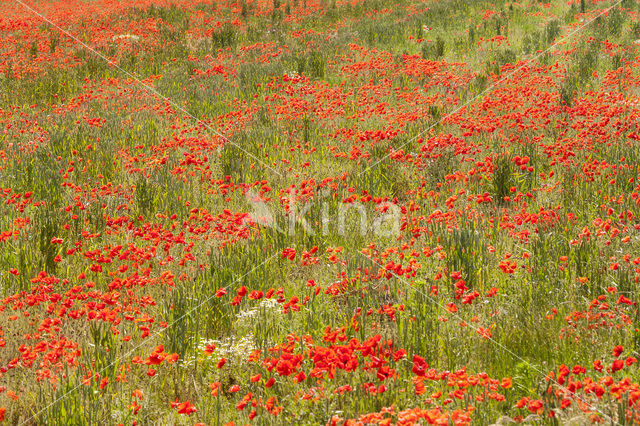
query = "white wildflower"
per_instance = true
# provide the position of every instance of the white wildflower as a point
(125, 37)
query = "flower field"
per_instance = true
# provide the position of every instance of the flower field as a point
(319, 212)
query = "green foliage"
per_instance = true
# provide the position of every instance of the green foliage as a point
(48, 226)
(434, 50)
(552, 30)
(500, 58)
(146, 196)
(468, 254)
(531, 43)
(223, 37)
(580, 72)
(479, 84)
(568, 91)
(33, 50)
(381, 33)
(312, 64)
(502, 178)
(54, 40)
(615, 20)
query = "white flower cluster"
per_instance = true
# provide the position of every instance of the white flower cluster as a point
(266, 306)
(232, 348)
(125, 37)
(235, 348)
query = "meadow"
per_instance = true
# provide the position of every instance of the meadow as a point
(319, 212)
